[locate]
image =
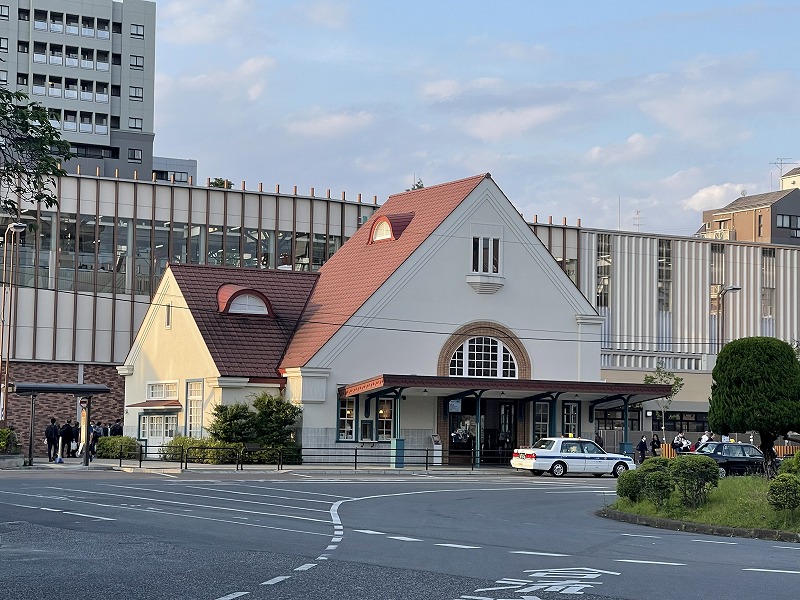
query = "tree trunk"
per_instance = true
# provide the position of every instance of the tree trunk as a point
(768, 448)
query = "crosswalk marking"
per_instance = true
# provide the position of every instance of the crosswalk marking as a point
(277, 579)
(305, 567)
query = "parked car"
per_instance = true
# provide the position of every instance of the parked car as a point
(570, 455)
(734, 458)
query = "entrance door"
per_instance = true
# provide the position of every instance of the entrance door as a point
(157, 431)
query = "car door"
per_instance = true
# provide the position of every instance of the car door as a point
(735, 460)
(596, 459)
(572, 454)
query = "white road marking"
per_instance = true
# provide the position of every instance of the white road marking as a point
(168, 475)
(322, 557)
(482, 597)
(458, 546)
(89, 516)
(773, 571)
(50, 509)
(649, 562)
(233, 595)
(277, 579)
(787, 547)
(332, 547)
(261, 495)
(369, 531)
(658, 537)
(536, 553)
(715, 542)
(403, 539)
(305, 567)
(336, 539)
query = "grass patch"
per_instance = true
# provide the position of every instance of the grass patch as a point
(737, 502)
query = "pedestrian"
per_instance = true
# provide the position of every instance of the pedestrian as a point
(65, 438)
(97, 433)
(704, 438)
(655, 445)
(76, 439)
(116, 428)
(598, 439)
(677, 442)
(642, 448)
(51, 437)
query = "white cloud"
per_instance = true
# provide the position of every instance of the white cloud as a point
(504, 123)
(714, 196)
(196, 22)
(636, 147)
(327, 13)
(330, 124)
(448, 89)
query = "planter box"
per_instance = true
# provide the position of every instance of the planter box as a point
(11, 461)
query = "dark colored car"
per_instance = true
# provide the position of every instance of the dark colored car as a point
(734, 458)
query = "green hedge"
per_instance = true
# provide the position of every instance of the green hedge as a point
(655, 480)
(114, 446)
(791, 465)
(9, 444)
(201, 450)
(784, 492)
(694, 476)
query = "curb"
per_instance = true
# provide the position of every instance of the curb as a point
(660, 523)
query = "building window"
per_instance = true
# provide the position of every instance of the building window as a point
(194, 409)
(347, 415)
(681, 421)
(3, 77)
(570, 424)
(383, 231)
(385, 419)
(137, 31)
(603, 269)
(717, 275)
(137, 62)
(615, 419)
(248, 304)
(136, 93)
(162, 391)
(23, 47)
(767, 282)
(483, 357)
(783, 221)
(134, 123)
(4, 12)
(24, 14)
(134, 155)
(664, 275)
(116, 59)
(541, 421)
(485, 255)
(4, 45)
(168, 316)
(116, 27)
(22, 79)
(760, 225)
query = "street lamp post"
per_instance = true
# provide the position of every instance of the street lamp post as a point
(721, 325)
(10, 254)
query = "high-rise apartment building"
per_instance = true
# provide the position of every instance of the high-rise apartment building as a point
(91, 63)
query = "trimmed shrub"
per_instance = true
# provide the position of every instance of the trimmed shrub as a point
(784, 492)
(791, 465)
(201, 450)
(114, 446)
(694, 476)
(654, 463)
(658, 486)
(630, 485)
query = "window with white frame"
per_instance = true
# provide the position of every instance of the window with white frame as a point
(383, 231)
(137, 62)
(135, 123)
(541, 420)
(347, 415)
(248, 304)
(137, 31)
(569, 419)
(194, 409)
(385, 419)
(136, 93)
(3, 77)
(163, 390)
(3, 44)
(4, 12)
(485, 255)
(483, 357)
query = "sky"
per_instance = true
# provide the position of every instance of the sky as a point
(627, 114)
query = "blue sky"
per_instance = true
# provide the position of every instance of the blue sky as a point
(632, 114)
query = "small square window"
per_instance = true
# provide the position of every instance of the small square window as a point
(116, 59)
(24, 14)
(135, 123)
(4, 12)
(134, 155)
(136, 93)
(116, 27)
(23, 47)
(115, 91)
(22, 79)
(3, 77)
(3, 44)
(137, 62)
(137, 31)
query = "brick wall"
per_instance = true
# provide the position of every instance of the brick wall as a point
(105, 408)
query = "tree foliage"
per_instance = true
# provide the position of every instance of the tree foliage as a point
(266, 422)
(756, 386)
(220, 182)
(31, 153)
(663, 376)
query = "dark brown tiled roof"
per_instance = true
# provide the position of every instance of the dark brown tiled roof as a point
(795, 171)
(756, 201)
(245, 345)
(358, 269)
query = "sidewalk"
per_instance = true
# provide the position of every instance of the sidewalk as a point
(156, 466)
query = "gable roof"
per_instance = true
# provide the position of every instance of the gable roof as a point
(244, 345)
(358, 269)
(793, 172)
(756, 201)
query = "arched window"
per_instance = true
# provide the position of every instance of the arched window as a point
(248, 304)
(483, 357)
(383, 231)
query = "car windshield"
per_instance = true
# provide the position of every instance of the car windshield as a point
(707, 448)
(544, 444)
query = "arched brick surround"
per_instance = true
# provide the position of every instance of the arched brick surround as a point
(488, 329)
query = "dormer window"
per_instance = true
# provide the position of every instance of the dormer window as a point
(390, 227)
(237, 300)
(382, 231)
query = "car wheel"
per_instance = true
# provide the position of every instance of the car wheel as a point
(537, 472)
(619, 468)
(558, 469)
(723, 472)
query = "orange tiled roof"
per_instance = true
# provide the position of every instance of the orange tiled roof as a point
(358, 269)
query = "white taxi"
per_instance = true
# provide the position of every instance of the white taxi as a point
(570, 455)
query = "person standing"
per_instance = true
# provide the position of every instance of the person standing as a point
(76, 437)
(116, 428)
(598, 439)
(51, 436)
(677, 443)
(65, 436)
(655, 445)
(642, 448)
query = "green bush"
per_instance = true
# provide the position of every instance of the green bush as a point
(113, 446)
(783, 492)
(630, 485)
(9, 443)
(694, 476)
(654, 463)
(658, 486)
(791, 465)
(201, 450)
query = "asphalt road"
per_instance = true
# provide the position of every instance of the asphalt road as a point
(97, 535)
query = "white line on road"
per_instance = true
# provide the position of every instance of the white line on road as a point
(233, 595)
(332, 547)
(536, 553)
(89, 516)
(715, 542)
(50, 509)
(649, 562)
(369, 531)
(336, 539)
(305, 567)
(773, 571)
(479, 597)
(278, 579)
(658, 537)
(458, 546)
(403, 539)
(787, 547)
